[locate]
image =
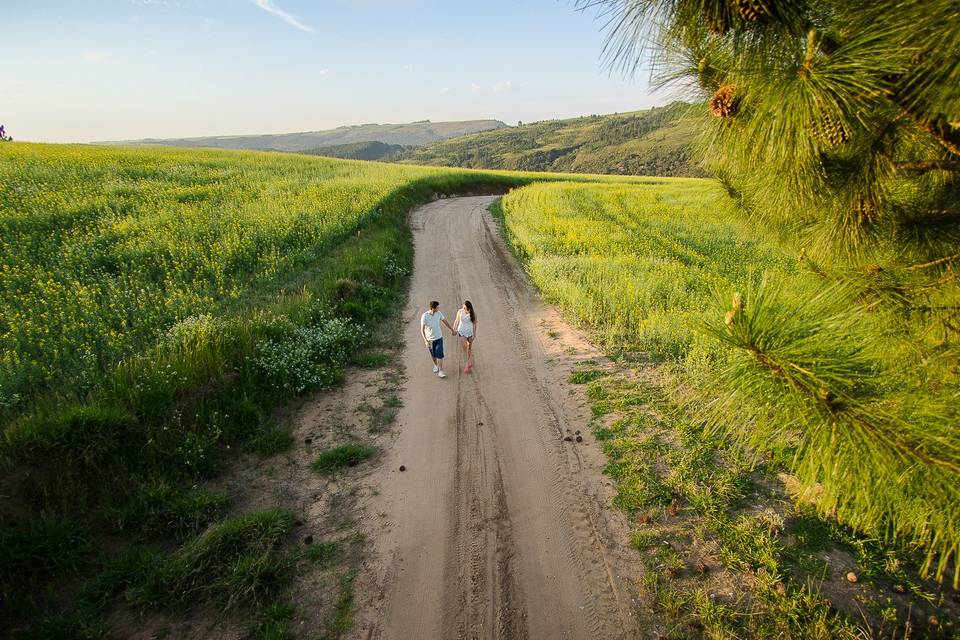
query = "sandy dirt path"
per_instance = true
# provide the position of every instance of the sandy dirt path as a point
(498, 527)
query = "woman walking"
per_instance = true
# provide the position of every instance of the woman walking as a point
(465, 326)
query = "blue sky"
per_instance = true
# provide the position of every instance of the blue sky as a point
(117, 69)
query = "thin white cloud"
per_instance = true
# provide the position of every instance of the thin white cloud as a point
(407, 67)
(474, 88)
(94, 57)
(268, 6)
(323, 72)
(506, 85)
(167, 4)
(445, 90)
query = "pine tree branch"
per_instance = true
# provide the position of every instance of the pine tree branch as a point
(933, 263)
(839, 408)
(929, 165)
(950, 277)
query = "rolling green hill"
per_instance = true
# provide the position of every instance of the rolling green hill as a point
(651, 142)
(359, 151)
(412, 133)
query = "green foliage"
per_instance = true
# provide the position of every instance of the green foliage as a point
(359, 151)
(270, 440)
(787, 367)
(235, 562)
(641, 540)
(714, 495)
(322, 554)
(345, 455)
(67, 627)
(343, 608)
(76, 443)
(306, 357)
(159, 510)
(40, 547)
(655, 142)
(187, 273)
(837, 126)
(105, 249)
(274, 622)
(383, 416)
(584, 376)
(370, 359)
(853, 417)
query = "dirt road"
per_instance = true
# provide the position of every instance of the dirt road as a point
(496, 528)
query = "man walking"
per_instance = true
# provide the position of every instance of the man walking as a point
(433, 335)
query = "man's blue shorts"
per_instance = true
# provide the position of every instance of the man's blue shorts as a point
(436, 348)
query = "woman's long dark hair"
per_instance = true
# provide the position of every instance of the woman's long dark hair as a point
(469, 306)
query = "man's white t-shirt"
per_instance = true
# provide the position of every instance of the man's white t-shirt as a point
(432, 322)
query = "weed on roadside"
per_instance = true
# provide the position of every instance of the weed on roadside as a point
(346, 455)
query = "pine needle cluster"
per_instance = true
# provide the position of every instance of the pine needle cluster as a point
(836, 124)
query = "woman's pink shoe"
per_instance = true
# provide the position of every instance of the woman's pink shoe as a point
(467, 368)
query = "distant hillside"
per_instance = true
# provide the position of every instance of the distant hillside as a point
(413, 133)
(360, 151)
(652, 142)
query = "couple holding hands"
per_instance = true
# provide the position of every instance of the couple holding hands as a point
(464, 327)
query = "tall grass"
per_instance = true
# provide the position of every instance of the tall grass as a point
(637, 263)
(103, 249)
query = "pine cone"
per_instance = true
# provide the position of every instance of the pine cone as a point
(832, 131)
(751, 10)
(724, 102)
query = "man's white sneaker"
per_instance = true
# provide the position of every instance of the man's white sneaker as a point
(441, 374)
(436, 368)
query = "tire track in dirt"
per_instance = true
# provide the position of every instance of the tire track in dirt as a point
(493, 530)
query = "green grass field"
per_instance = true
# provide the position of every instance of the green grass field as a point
(637, 262)
(104, 250)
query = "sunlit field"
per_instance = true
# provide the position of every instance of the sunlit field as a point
(103, 249)
(639, 263)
